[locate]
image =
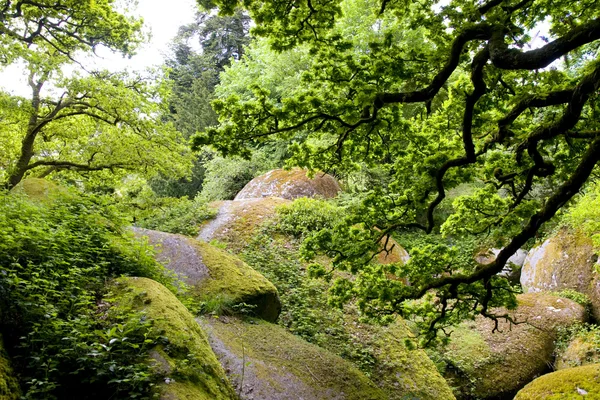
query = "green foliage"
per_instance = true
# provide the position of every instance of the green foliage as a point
(174, 215)
(579, 298)
(91, 24)
(585, 214)
(225, 177)
(435, 99)
(306, 215)
(56, 257)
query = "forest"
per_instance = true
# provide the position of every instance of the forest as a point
(313, 199)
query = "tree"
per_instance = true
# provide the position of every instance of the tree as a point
(101, 122)
(442, 95)
(65, 26)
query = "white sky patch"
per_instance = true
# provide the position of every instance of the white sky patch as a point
(161, 18)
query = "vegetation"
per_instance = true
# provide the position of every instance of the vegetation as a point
(56, 257)
(456, 127)
(439, 96)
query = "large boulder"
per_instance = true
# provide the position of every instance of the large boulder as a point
(583, 348)
(191, 369)
(237, 220)
(564, 261)
(290, 185)
(214, 274)
(265, 362)
(487, 364)
(38, 189)
(401, 370)
(9, 387)
(573, 383)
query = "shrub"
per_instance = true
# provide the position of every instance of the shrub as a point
(55, 258)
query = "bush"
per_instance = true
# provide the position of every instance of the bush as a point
(56, 257)
(173, 215)
(305, 215)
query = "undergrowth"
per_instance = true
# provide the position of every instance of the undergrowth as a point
(56, 257)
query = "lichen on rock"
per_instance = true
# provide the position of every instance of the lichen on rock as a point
(188, 363)
(37, 189)
(564, 261)
(583, 348)
(486, 364)
(266, 362)
(403, 372)
(237, 220)
(213, 273)
(572, 383)
(290, 185)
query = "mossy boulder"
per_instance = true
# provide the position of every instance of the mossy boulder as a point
(572, 383)
(564, 261)
(188, 362)
(266, 362)
(485, 364)
(290, 185)
(237, 220)
(582, 349)
(9, 387)
(400, 369)
(213, 274)
(37, 189)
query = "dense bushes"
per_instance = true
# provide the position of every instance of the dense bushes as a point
(56, 257)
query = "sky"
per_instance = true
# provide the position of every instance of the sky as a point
(162, 18)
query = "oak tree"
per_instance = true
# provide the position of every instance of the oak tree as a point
(497, 94)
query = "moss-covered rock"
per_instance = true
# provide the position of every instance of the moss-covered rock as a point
(37, 189)
(582, 349)
(189, 364)
(573, 383)
(266, 362)
(290, 185)
(214, 274)
(401, 371)
(564, 261)
(9, 387)
(485, 364)
(236, 221)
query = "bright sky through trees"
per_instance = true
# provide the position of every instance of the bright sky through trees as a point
(161, 21)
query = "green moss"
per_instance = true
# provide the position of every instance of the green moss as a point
(37, 189)
(564, 385)
(186, 357)
(404, 372)
(483, 364)
(9, 387)
(233, 279)
(279, 362)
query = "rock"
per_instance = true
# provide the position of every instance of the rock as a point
(9, 387)
(572, 383)
(564, 261)
(401, 372)
(512, 269)
(200, 376)
(237, 220)
(290, 185)
(214, 274)
(583, 349)
(486, 364)
(265, 362)
(38, 189)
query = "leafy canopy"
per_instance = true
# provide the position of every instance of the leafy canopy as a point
(438, 95)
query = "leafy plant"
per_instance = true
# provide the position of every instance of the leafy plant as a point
(56, 256)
